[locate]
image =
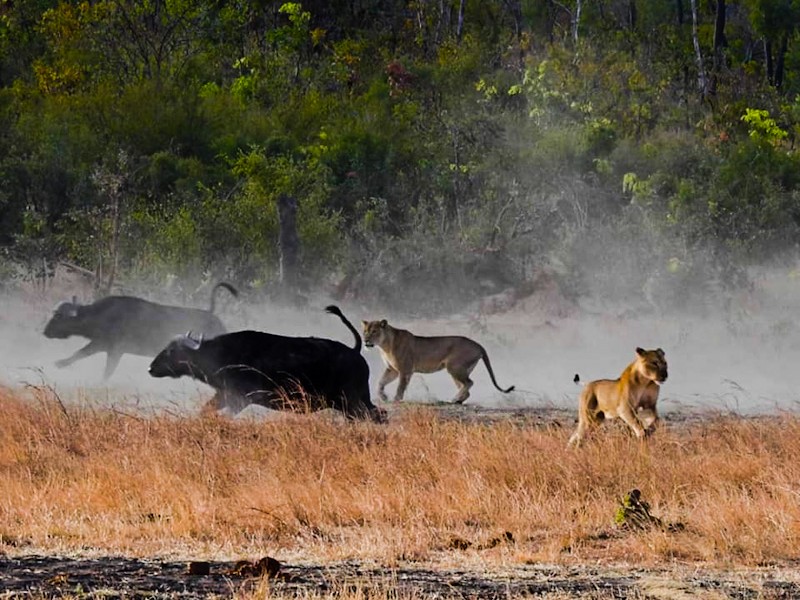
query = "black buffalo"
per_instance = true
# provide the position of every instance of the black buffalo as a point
(120, 325)
(279, 372)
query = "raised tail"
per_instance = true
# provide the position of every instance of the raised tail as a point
(576, 379)
(334, 310)
(488, 364)
(221, 284)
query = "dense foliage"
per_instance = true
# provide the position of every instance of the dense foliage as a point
(470, 143)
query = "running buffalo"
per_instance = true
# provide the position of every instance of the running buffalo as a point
(279, 372)
(120, 325)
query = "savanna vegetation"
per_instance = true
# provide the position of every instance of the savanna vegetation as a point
(721, 491)
(450, 141)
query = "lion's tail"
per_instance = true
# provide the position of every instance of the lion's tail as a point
(488, 364)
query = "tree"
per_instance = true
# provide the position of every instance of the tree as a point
(702, 78)
(720, 42)
(776, 21)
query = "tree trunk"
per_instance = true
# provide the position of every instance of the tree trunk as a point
(780, 61)
(551, 21)
(719, 26)
(719, 44)
(702, 80)
(114, 250)
(288, 241)
(770, 66)
(576, 21)
(450, 214)
(460, 29)
(110, 182)
(679, 8)
(632, 15)
(515, 8)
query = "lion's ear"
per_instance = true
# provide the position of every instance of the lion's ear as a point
(383, 323)
(640, 351)
(661, 352)
(364, 323)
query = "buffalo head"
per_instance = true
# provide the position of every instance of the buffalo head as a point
(65, 321)
(177, 358)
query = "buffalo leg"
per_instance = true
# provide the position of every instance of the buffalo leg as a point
(226, 400)
(112, 360)
(356, 403)
(236, 403)
(89, 349)
(214, 404)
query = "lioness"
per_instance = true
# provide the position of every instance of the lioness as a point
(632, 397)
(405, 354)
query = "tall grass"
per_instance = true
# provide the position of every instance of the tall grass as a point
(82, 479)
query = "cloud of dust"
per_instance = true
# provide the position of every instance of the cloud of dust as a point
(737, 352)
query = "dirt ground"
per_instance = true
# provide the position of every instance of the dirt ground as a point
(37, 576)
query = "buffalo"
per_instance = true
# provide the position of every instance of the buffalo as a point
(275, 371)
(120, 325)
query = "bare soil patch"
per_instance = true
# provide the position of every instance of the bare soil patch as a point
(120, 577)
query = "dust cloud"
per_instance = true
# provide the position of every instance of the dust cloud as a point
(736, 351)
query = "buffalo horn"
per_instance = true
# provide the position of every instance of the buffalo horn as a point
(190, 342)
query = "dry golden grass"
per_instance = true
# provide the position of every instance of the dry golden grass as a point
(91, 480)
